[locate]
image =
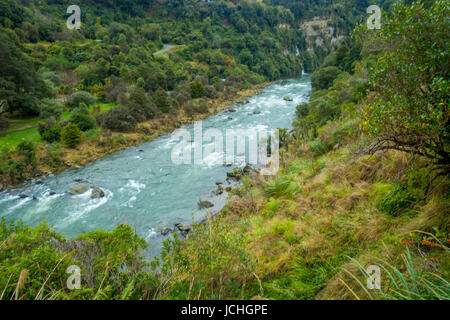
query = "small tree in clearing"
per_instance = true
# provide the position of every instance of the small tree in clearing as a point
(71, 135)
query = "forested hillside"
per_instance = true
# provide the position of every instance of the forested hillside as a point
(106, 77)
(363, 177)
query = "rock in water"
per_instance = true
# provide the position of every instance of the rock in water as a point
(97, 193)
(78, 189)
(183, 227)
(287, 98)
(163, 228)
(203, 204)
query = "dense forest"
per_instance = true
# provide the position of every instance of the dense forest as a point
(363, 176)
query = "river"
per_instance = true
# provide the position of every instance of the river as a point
(142, 185)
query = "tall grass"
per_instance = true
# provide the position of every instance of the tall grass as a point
(414, 283)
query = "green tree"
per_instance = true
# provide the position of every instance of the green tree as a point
(323, 78)
(409, 108)
(161, 100)
(20, 85)
(50, 108)
(82, 118)
(71, 135)
(198, 90)
(81, 97)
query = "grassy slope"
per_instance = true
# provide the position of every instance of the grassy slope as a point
(305, 224)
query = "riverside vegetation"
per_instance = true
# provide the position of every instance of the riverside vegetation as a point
(363, 181)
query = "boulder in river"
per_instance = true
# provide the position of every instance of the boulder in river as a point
(204, 204)
(78, 189)
(182, 227)
(163, 228)
(97, 193)
(287, 98)
(219, 190)
(231, 110)
(23, 196)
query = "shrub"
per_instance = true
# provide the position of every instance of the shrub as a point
(81, 97)
(211, 92)
(140, 107)
(82, 118)
(50, 108)
(324, 77)
(54, 156)
(118, 119)
(161, 100)
(320, 147)
(198, 90)
(71, 135)
(27, 150)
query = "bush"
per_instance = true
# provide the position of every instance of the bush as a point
(27, 150)
(82, 118)
(198, 90)
(324, 77)
(140, 107)
(81, 97)
(211, 92)
(71, 135)
(118, 119)
(320, 147)
(50, 108)
(161, 100)
(49, 132)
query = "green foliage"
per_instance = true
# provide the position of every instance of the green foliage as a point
(82, 118)
(80, 97)
(409, 109)
(417, 283)
(71, 135)
(161, 100)
(118, 119)
(320, 147)
(28, 152)
(395, 202)
(111, 264)
(212, 263)
(284, 186)
(20, 85)
(50, 108)
(324, 77)
(198, 90)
